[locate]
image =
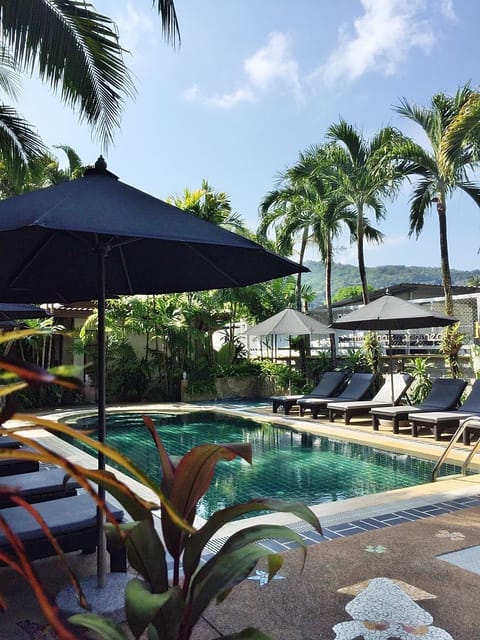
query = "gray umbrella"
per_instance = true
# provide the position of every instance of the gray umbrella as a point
(390, 313)
(289, 322)
(97, 237)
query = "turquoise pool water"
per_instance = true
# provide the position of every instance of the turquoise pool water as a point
(286, 464)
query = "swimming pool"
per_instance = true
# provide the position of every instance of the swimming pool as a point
(286, 464)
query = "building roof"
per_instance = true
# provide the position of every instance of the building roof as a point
(408, 291)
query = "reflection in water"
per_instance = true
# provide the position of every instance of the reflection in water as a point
(286, 464)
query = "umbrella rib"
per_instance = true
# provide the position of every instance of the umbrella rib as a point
(212, 264)
(29, 261)
(125, 269)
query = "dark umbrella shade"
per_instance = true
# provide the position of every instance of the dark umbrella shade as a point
(11, 311)
(48, 239)
(96, 237)
(392, 313)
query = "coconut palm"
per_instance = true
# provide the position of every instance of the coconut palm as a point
(361, 173)
(442, 167)
(77, 53)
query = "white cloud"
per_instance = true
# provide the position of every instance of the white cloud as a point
(132, 26)
(274, 64)
(270, 67)
(383, 36)
(448, 10)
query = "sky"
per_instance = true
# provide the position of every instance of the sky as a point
(256, 82)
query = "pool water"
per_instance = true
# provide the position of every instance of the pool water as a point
(286, 464)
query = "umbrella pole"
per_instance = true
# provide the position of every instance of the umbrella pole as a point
(101, 541)
(391, 364)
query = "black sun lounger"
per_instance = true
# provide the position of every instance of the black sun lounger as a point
(444, 395)
(358, 388)
(38, 486)
(13, 466)
(330, 384)
(73, 523)
(401, 382)
(9, 442)
(440, 421)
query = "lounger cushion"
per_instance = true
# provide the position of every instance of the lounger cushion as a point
(39, 486)
(63, 516)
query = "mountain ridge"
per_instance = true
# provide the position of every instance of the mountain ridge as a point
(345, 275)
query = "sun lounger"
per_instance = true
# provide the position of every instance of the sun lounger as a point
(440, 421)
(444, 395)
(357, 388)
(39, 486)
(9, 442)
(383, 398)
(72, 521)
(12, 466)
(330, 384)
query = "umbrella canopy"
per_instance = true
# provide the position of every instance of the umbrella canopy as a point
(48, 237)
(390, 313)
(10, 311)
(289, 322)
(97, 237)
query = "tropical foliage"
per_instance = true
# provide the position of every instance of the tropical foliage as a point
(441, 168)
(166, 607)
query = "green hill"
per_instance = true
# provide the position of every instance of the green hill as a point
(344, 275)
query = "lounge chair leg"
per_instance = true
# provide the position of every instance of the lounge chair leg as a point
(376, 423)
(414, 430)
(118, 560)
(331, 415)
(346, 419)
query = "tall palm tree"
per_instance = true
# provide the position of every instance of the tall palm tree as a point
(289, 209)
(442, 167)
(361, 173)
(76, 51)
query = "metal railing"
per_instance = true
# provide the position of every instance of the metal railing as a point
(465, 424)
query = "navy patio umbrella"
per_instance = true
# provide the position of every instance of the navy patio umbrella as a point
(389, 313)
(10, 311)
(97, 237)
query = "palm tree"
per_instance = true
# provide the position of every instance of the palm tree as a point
(289, 209)
(78, 54)
(442, 168)
(212, 206)
(361, 173)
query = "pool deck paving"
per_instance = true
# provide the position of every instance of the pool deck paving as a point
(421, 540)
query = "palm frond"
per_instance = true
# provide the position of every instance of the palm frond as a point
(19, 143)
(420, 203)
(170, 27)
(471, 189)
(76, 52)
(9, 76)
(348, 135)
(464, 127)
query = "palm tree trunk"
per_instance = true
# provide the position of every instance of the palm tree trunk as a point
(303, 246)
(446, 276)
(328, 300)
(360, 254)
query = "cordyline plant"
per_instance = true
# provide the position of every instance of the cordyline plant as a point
(162, 607)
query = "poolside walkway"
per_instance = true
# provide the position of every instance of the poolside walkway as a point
(401, 536)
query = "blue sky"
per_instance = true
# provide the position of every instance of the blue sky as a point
(257, 81)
